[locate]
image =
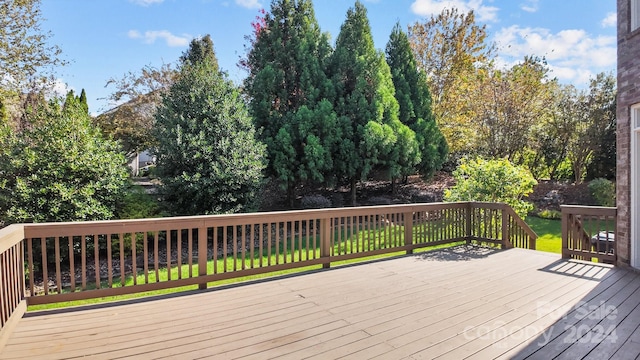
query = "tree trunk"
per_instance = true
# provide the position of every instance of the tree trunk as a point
(577, 172)
(291, 194)
(393, 186)
(354, 182)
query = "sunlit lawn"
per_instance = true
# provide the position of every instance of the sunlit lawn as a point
(549, 240)
(549, 234)
(269, 256)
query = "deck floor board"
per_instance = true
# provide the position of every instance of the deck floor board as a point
(459, 303)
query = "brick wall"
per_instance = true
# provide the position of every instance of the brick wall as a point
(628, 94)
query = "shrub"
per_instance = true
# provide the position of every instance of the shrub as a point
(137, 204)
(549, 214)
(60, 168)
(315, 202)
(379, 200)
(603, 191)
(492, 181)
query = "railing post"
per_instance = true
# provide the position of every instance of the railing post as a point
(506, 243)
(202, 255)
(408, 230)
(469, 211)
(12, 281)
(325, 241)
(564, 225)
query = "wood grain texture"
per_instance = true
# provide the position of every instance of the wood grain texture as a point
(465, 302)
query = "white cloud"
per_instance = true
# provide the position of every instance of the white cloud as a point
(249, 4)
(61, 88)
(150, 37)
(146, 2)
(610, 20)
(58, 89)
(530, 6)
(434, 7)
(573, 55)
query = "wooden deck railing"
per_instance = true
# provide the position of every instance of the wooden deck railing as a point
(12, 290)
(80, 260)
(588, 233)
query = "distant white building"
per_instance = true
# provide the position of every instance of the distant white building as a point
(140, 160)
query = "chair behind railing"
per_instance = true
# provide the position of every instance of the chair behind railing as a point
(588, 233)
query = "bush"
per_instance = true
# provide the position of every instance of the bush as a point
(379, 200)
(137, 204)
(603, 191)
(315, 202)
(549, 214)
(492, 181)
(60, 168)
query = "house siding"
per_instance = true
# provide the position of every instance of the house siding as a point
(628, 95)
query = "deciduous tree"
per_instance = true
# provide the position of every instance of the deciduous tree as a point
(138, 95)
(449, 48)
(555, 131)
(493, 181)
(27, 60)
(509, 104)
(602, 107)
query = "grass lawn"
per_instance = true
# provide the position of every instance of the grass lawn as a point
(549, 234)
(548, 231)
(292, 252)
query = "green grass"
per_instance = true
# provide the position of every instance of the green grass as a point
(355, 243)
(549, 233)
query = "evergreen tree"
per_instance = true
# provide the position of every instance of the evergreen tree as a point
(372, 135)
(80, 101)
(70, 99)
(287, 85)
(83, 101)
(208, 158)
(414, 100)
(200, 49)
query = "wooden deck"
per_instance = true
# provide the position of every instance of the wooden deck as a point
(450, 304)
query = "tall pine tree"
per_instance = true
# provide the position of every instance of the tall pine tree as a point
(287, 85)
(414, 99)
(83, 101)
(208, 158)
(372, 135)
(200, 49)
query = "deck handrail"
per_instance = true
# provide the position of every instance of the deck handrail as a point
(81, 260)
(13, 303)
(588, 233)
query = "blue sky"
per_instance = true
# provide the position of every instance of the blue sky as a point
(107, 38)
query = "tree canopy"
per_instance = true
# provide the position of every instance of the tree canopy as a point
(373, 138)
(494, 180)
(414, 100)
(287, 88)
(138, 95)
(27, 60)
(208, 158)
(449, 48)
(60, 168)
